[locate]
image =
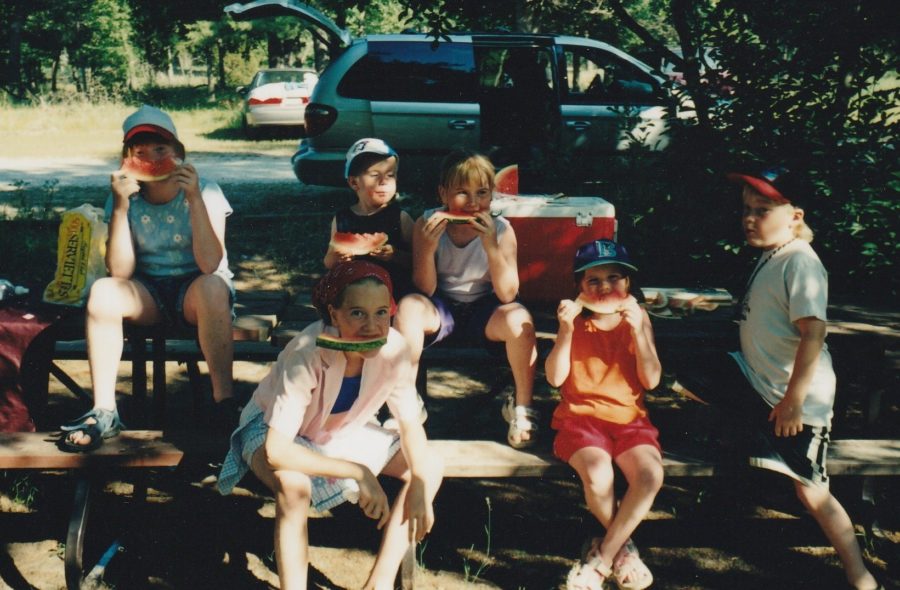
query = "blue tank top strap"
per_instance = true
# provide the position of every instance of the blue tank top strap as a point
(348, 394)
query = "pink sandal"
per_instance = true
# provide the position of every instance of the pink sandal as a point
(628, 565)
(589, 573)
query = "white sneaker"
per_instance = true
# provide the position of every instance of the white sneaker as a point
(521, 419)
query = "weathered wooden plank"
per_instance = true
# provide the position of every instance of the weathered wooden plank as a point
(479, 458)
(132, 448)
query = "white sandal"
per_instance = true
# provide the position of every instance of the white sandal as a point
(589, 573)
(519, 424)
(628, 564)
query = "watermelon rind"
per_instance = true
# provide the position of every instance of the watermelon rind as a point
(344, 345)
(457, 217)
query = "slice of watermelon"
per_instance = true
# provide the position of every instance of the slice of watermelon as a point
(456, 216)
(147, 171)
(606, 305)
(354, 244)
(349, 345)
(506, 180)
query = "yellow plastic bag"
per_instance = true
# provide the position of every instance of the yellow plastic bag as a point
(81, 256)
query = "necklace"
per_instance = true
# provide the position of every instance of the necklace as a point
(744, 308)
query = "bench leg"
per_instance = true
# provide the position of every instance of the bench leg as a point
(75, 535)
(159, 380)
(70, 383)
(139, 375)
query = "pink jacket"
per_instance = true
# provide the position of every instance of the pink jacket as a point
(298, 393)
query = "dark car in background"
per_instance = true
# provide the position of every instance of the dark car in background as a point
(502, 93)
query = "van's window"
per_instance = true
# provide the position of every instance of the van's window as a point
(594, 76)
(412, 72)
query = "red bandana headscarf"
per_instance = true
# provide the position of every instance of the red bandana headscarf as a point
(332, 284)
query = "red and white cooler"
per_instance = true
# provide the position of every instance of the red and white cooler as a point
(549, 229)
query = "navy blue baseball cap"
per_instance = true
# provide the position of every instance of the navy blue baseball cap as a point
(600, 252)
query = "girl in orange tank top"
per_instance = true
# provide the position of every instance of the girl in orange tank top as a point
(603, 361)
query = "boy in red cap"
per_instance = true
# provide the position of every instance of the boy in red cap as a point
(167, 263)
(780, 386)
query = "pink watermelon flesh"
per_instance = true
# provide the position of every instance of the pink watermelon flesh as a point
(147, 171)
(608, 304)
(349, 345)
(355, 244)
(506, 180)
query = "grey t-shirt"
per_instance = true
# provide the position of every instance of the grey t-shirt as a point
(790, 286)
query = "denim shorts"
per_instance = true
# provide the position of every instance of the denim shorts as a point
(168, 293)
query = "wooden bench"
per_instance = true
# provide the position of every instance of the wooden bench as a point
(132, 449)
(490, 459)
(257, 313)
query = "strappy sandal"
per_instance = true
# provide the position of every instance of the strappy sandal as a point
(628, 565)
(519, 425)
(106, 424)
(590, 573)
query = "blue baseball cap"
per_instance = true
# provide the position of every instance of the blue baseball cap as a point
(600, 252)
(368, 145)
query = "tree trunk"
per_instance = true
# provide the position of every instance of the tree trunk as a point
(273, 49)
(681, 9)
(220, 49)
(12, 78)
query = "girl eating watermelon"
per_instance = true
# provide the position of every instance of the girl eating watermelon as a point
(308, 432)
(603, 361)
(464, 265)
(167, 264)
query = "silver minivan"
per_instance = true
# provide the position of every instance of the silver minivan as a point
(514, 96)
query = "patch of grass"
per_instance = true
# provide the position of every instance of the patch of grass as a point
(52, 130)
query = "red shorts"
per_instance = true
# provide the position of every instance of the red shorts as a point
(578, 432)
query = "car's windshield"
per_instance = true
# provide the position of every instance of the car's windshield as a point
(276, 77)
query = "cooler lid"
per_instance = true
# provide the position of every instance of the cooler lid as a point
(552, 206)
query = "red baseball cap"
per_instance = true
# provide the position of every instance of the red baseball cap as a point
(774, 182)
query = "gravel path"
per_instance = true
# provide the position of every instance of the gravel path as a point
(80, 171)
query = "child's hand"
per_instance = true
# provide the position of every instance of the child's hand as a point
(788, 418)
(372, 499)
(566, 313)
(123, 186)
(186, 177)
(487, 230)
(633, 314)
(431, 233)
(384, 253)
(418, 511)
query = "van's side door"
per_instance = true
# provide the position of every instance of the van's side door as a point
(608, 103)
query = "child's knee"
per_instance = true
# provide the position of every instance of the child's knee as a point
(293, 489)
(105, 298)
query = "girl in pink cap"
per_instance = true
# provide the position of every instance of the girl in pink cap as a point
(167, 264)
